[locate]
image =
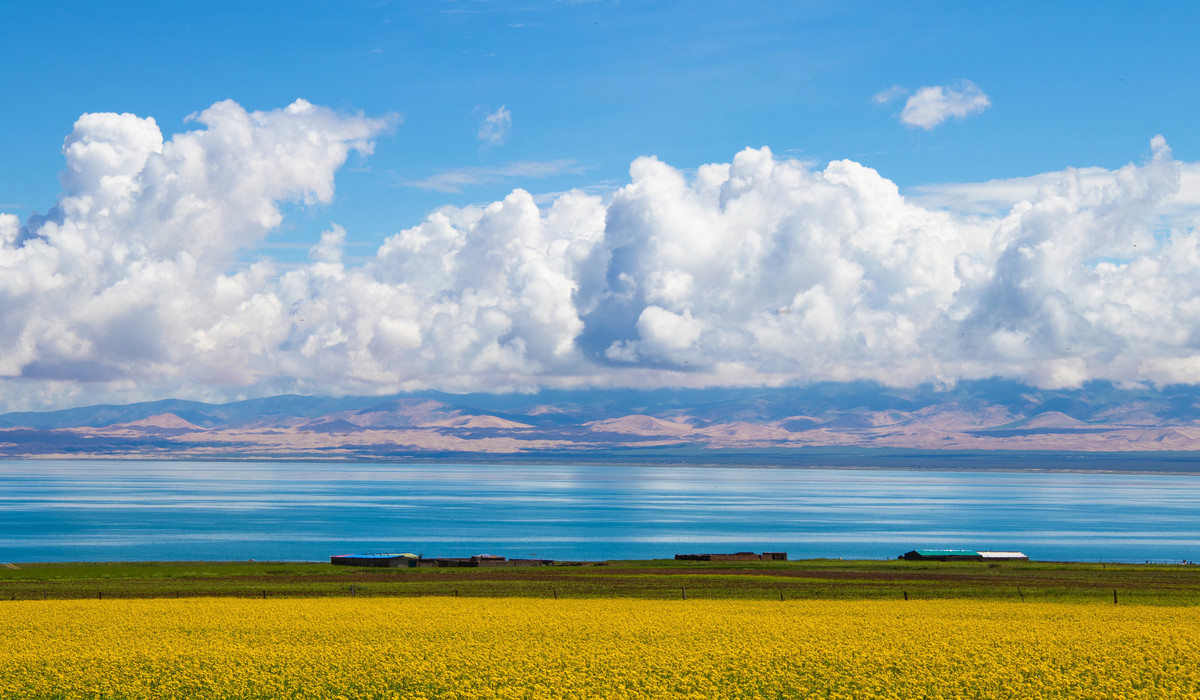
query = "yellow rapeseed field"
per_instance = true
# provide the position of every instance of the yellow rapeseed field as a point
(523, 648)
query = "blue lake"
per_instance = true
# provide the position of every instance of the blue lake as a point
(162, 510)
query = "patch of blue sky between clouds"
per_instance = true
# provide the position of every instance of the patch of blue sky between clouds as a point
(460, 179)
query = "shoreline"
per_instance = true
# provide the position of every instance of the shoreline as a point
(671, 563)
(839, 460)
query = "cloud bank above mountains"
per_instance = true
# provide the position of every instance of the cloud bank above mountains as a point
(756, 271)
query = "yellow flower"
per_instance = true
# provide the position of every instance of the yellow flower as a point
(524, 648)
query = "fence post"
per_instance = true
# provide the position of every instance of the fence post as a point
(684, 590)
(1114, 596)
(906, 595)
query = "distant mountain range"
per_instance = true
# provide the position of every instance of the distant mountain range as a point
(812, 424)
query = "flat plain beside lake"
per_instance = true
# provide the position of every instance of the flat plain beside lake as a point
(827, 579)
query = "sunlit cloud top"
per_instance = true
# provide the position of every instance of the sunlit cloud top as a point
(758, 270)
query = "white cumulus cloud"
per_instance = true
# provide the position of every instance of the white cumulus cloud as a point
(760, 270)
(126, 279)
(931, 105)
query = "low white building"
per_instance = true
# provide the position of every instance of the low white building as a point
(1003, 556)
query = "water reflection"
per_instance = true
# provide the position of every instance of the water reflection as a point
(91, 511)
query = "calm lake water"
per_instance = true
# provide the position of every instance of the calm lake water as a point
(105, 511)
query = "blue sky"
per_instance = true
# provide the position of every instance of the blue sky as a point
(601, 83)
(575, 93)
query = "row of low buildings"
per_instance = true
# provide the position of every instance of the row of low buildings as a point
(412, 561)
(407, 560)
(915, 555)
(736, 556)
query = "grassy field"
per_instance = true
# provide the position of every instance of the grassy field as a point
(653, 579)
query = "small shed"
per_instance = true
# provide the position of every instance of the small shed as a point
(1003, 556)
